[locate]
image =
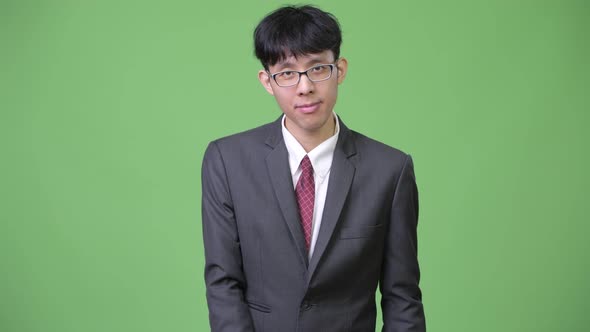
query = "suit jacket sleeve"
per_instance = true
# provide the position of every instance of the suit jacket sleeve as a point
(224, 276)
(401, 298)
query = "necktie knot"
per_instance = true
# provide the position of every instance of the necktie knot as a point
(306, 165)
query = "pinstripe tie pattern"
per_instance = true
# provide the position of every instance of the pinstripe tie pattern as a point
(305, 192)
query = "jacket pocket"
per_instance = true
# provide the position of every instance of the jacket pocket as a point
(360, 232)
(258, 306)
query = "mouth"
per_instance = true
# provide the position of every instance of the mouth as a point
(308, 108)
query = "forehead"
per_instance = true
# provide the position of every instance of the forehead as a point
(305, 60)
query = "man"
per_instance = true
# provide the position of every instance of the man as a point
(303, 217)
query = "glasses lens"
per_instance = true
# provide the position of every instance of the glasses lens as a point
(320, 73)
(287, 78)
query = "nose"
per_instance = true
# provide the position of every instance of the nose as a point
(305, 85)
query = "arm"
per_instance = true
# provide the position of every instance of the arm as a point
(401, 300)
(224, 276)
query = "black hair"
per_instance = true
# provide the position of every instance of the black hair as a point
(296, 30)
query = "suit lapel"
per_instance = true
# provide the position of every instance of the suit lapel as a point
(341, 175)
(277, 163)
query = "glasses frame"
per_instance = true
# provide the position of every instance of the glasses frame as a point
(274, 76)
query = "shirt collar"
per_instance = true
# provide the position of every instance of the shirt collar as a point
(321, 156)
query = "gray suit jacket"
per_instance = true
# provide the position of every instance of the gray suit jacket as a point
(257, 273)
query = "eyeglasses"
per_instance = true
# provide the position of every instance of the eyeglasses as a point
(316, 73)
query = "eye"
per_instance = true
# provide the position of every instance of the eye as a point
(321, 69)
(286, 74)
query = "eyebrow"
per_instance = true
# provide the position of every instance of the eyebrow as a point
(283, 65)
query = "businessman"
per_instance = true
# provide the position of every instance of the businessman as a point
(303, 218)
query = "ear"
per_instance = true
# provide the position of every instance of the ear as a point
(264, 79)
(342, 66)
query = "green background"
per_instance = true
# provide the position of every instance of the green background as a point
(107, 107)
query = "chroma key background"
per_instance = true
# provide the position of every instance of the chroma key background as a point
(106, 108)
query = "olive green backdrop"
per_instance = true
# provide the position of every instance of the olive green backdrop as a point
(107, 107)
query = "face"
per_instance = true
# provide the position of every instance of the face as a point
(307, 105)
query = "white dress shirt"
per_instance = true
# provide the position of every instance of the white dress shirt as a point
(321, 161)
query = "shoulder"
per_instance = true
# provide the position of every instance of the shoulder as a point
(370, 148)
(255, 134)
(375, 158)
(245, 143)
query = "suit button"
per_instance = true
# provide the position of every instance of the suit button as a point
(305, 306)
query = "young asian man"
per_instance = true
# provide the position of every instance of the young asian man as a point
(303, 218)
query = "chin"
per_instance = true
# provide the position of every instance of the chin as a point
(316, 125)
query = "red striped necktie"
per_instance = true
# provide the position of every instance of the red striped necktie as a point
(305, 192)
